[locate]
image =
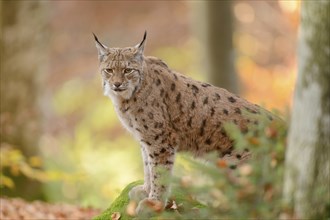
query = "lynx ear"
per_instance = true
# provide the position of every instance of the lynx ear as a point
(140, 46)
(102, 49)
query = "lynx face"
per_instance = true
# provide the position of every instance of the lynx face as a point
(121, 69)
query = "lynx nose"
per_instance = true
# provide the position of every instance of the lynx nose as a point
(117, 84)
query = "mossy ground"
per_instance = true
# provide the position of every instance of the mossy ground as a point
(121, 202)
(119, 205)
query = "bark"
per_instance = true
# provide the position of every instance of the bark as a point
(306, 184)
(216, 25)
(23, 62)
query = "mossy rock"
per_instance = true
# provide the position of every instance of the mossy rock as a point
(121, 202)
(119, 205)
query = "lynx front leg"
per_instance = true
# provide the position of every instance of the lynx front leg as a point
(160, 164)
(141, 192)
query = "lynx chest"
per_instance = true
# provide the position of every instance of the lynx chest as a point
(128, 117)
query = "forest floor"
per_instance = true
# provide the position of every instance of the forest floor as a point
(19, 209)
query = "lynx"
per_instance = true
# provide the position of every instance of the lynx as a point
(168, 112)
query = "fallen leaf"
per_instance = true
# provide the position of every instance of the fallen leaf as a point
(270, 132)
(115, 216)
(273, 163)
(174, 205)
(186, 181)
(245, 170)
(268, 191)
(19, 209)
(254, 141)
(222, 163)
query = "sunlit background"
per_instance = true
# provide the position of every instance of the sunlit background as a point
(81, 135)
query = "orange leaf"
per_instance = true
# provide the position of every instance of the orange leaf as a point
(254, 141)
(270, 132)
(222, 163)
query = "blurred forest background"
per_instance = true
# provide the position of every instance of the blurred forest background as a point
(60, 137)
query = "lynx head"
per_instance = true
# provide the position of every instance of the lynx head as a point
(121, 68)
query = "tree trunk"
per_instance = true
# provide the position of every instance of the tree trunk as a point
(215, 24)
(23, 62)
(306, 183)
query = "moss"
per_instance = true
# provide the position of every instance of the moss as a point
(119, 205)
(121, 202)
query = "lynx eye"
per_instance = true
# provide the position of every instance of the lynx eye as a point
(128, 70)
(109, 71)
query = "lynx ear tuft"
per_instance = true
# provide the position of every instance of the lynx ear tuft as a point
(141, 45)
(101, 48)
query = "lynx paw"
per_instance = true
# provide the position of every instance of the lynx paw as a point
(138, 193)
(148, 207)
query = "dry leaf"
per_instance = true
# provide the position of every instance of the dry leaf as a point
(115, 216)
(20, 209)
(273, 163)
(269, 191)
(254, 141)
(222, 163)
(270, 132)
(169, 204)
(245, 192)
(245, 170)
(174, 205)
(186, 181)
